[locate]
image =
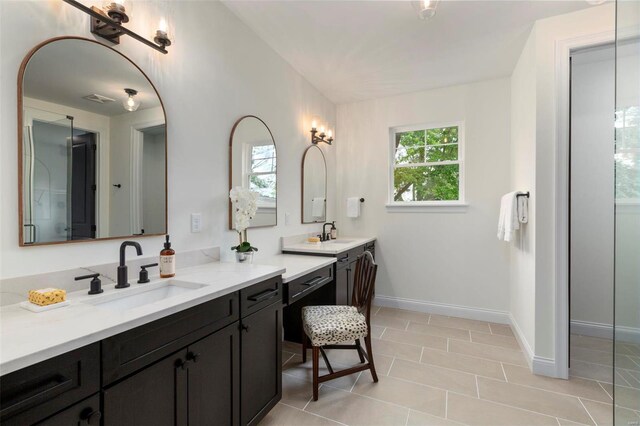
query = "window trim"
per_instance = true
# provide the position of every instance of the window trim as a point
(413, 205)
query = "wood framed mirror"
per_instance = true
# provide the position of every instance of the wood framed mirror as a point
(253, 165)
(92, 146)
(314, 185)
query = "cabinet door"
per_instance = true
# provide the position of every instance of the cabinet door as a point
(261, 363)
(214, 378)
(151, 397)
(342, 286)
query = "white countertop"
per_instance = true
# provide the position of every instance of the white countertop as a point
(296, 265)
(27, 338)
(332, 247)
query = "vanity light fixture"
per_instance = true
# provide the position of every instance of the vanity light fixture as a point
(131, 103)
(426, 9)
(108, 24)
(319, 135)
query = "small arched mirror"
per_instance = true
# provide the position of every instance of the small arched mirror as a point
(92, 146)
(314, 186)
(253, 166)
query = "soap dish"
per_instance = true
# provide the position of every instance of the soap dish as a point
(37, 308)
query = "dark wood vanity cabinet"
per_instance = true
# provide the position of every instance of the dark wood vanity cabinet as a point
(194, 386)
(344, 270)
(35, 393)
(261, 352)
(216, 363)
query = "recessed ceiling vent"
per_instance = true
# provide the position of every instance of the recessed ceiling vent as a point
(98, 98)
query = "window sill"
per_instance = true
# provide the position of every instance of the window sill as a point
(454, 207)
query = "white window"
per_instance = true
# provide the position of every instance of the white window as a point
(427, 167)
(627, 155)
(261, 176)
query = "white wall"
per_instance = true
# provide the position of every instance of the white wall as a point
(523, 176)
(436, 257)
(592, 186)
(535, 316)
(217, 70)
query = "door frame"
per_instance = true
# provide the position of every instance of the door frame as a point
(563, 86)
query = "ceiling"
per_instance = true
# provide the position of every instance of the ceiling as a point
(65, 71)
(356, 50)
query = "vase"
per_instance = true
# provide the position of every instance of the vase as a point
(244, 256)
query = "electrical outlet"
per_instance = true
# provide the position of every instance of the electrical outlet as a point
(196, 222)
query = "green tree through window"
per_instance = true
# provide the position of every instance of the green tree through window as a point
(427, 165)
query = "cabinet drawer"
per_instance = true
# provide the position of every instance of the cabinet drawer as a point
(36, 392)
(86, 412)
(260, 295)
(308, 283)
(132, 350)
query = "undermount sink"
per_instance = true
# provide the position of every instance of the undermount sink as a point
(145, 294)
(339, 241)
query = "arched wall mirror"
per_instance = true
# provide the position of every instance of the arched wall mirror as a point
(92, 146)
(253, 165)
(314, 186)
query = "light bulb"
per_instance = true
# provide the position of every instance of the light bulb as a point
(321, 129)
(329, 133)
(162, 25)
(314, 124)
(426, 4)
(131, 103)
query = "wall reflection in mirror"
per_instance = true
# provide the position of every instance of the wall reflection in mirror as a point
(314, 186)
(253, 165)
(93, 146)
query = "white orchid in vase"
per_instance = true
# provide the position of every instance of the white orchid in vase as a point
(245, 205)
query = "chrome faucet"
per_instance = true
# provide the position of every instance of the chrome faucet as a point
(123, 275)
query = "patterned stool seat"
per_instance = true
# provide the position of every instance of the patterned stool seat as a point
(331, 325)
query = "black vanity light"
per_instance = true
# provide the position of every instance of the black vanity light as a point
(107, 23)
(319, 135)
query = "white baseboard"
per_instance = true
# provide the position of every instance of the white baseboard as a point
(479, 314)
(593, 329)
(538, 365)
(605, 331)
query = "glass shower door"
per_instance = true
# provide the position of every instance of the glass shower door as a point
(626, 377)
(46, 168)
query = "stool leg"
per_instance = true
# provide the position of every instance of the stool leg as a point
(372, 367)
(316, 353)
(359, 351)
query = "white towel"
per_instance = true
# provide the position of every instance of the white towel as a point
(317, 209)
(508, 221)
(353, 207)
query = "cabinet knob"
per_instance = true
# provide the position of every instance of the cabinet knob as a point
(244, 327)
(193, 357)
(90, 416)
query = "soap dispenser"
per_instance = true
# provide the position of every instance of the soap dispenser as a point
(334, 231)
(167, 260)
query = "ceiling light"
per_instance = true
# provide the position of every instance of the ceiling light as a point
(131, 103)
(425, 9)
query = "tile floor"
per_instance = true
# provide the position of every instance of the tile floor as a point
(437, 370)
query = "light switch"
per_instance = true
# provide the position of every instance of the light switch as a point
(196, 222)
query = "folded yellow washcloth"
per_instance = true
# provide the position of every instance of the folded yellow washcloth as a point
(47, 296)
(313, 239)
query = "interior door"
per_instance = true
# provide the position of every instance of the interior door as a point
(83, 187)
